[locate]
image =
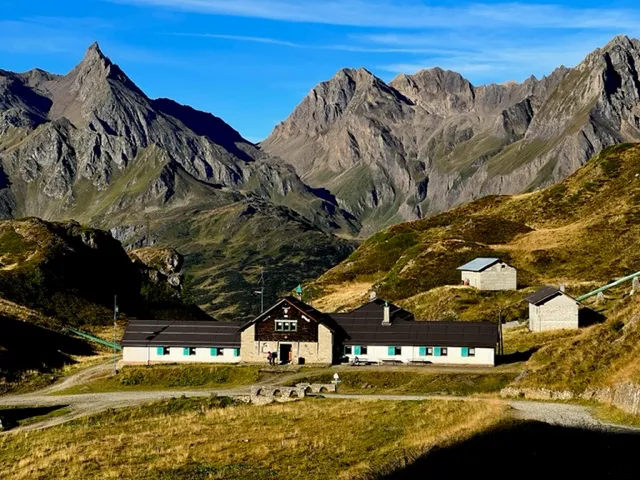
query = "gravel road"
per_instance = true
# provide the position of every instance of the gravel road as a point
(563, 414)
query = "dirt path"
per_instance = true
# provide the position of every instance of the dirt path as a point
(84, 376)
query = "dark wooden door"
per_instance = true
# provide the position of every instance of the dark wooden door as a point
(285, 353)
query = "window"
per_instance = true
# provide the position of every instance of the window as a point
(472, 352)
(348, 349)
(162, 351)
(189, 351)
(425, 351)
(217, 352)
(443, 351)
(236, 352)
(394, 351)
(286, 325)
(359, 350)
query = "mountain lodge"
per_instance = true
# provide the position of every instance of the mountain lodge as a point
(377, 332)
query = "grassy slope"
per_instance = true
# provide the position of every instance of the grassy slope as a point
(201, 439)
(581, 232)
(226, 235)
(225, 248)
(599, 356)
(171, 376)
(414, 382)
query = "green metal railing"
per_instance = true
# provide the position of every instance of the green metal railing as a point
(608, 286)
(93, 338)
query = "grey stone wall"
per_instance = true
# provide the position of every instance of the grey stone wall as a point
(625, 396)
(497, 277)
(559, 312)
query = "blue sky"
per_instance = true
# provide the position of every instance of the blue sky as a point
(252, 61)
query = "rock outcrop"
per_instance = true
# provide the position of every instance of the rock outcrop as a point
(430, 141)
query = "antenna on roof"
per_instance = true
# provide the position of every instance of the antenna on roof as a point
(261, 291)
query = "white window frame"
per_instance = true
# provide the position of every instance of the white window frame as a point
(286, 326)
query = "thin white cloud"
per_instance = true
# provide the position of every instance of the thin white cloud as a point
(410, 13)
(358, 48)
(244, 38)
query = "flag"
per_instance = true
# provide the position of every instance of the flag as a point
(299, 289)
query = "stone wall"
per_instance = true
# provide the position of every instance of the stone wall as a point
(559, 312)
(255, 351)
(497, 277)
(625, 396)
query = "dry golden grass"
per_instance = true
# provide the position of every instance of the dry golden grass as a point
(312, 439)
(343, 297)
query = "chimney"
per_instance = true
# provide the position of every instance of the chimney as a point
(562, 287)
(386, 319)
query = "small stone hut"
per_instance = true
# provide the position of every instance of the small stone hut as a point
(550, 308)
(489, 274)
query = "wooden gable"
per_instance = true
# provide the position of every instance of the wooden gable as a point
(284, 312)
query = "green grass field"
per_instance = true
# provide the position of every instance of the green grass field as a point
(414, 382)
(160, 377)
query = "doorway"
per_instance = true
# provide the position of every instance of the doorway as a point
(285, 353)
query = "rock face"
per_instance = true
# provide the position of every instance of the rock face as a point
(91, 146)
(160, 264)
(429, 141)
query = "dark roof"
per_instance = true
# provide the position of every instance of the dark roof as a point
(375, 309)
(308, 310)
(370, 331)
(181, 333)
(545, 294)
(478, 264)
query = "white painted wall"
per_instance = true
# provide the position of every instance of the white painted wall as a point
(559, 312)
(144, 355)
(497, 277)
(483, 356)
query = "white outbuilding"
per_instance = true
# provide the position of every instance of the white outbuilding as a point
(550, 308)
(489, 274)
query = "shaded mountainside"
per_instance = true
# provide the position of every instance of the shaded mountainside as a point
(427, 142)
(91, 146)
(58, 275)
(71, 273)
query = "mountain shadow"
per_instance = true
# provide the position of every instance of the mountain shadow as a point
(531, 450)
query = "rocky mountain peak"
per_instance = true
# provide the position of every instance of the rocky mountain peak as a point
(436, 90)
(621, 41)
(94, 53)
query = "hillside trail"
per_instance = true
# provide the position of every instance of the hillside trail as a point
(81, 405)
(82, 377)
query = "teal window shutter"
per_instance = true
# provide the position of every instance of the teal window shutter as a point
(236, 352)
(436, 351)
(356, 350)
(185, 351)
(465, 351)
(391, 351)
(214, 352)
(160, 351)
(423, 351)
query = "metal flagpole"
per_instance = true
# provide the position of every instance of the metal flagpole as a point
(261, 292)
(115, 318)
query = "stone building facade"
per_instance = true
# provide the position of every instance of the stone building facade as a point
(489, 274)
(296, 336)
(551, 308)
